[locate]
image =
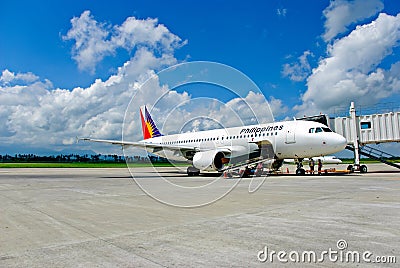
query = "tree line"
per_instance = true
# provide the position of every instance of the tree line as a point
(70, 158)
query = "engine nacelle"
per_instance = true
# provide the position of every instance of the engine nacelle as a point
(209, 160)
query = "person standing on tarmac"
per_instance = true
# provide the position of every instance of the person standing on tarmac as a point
(311, 164)
(319, 166)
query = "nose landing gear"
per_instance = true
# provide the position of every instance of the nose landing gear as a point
(300, 170)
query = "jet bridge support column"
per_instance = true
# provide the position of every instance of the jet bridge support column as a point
(354, 134)
(355, 141)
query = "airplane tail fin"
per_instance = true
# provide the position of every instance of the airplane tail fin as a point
(149, 128)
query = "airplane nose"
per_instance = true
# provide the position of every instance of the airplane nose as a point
(340, 142)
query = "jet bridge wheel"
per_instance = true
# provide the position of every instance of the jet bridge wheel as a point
(363, 169)
(192, 171)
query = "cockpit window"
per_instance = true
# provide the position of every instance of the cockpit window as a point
(319, 129)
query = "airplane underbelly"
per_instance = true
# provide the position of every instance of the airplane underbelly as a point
(171, 155)
(294, 150)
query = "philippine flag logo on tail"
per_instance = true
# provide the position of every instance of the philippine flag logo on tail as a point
(149, 128)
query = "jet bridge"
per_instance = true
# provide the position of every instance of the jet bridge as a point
(360, 130)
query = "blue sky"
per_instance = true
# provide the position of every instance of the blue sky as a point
(290, 49)
(253, 38)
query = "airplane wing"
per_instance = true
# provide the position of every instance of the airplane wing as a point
(148, 145)
(143, 145)
(186, 151)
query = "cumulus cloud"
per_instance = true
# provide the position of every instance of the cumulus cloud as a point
(300, 70)
(40, 115)
(94, 40)
(353, 71)
(34, 113)
(8, 77)
(340, 14)
(281, 12)
(277, 107)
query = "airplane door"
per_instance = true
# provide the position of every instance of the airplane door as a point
(291, 134)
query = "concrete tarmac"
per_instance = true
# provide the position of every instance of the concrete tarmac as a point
(102, 218)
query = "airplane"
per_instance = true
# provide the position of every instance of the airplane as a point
(219, 149)
(328, 159)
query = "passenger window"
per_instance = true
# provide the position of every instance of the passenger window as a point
(365, 125)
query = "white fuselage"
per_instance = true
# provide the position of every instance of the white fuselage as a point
(289, 139)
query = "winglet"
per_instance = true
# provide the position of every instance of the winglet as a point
(149, 128)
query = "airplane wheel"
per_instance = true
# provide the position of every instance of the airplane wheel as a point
(363, 169)
(300, 172)
(192, 171)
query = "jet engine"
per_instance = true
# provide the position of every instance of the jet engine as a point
(209, 160)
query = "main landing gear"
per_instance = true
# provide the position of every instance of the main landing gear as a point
(192, 171)
(300, 170)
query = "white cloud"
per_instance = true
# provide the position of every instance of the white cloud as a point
(352, 69)
(298, 71)
(8, 77)
(277, 107)
(341, 13)
(94, 40)
(40, 115)
(281, 12)
(35, 114)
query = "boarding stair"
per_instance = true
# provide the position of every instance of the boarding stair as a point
(235, 169)
(375, 154)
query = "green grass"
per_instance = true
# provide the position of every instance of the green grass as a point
(81, 165)
(366, 161)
